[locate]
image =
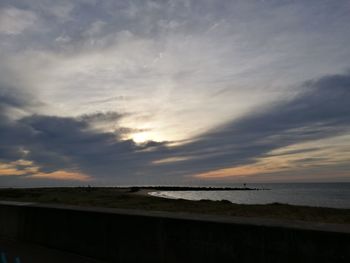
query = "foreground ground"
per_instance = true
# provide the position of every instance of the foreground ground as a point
(11, 251)
(131, 198)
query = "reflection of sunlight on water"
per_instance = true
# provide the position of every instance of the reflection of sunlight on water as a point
(322, 195)
(164, 194)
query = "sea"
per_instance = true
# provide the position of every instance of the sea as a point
(333, 195)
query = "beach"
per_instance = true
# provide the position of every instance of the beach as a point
(129, 198)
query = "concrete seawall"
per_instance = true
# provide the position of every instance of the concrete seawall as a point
(116, 235)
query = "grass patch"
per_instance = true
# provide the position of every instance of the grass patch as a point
(130, 199)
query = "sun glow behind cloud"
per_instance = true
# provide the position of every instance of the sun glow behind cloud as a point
(142, 137)
(147, 90)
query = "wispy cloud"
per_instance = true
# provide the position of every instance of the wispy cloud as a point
(14, 21)
(216, 88)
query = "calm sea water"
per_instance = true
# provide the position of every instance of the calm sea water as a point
(310, 194)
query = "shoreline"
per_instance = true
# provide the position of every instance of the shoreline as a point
(146, 190)
(195, 188)
(171, 195)
(141, 200)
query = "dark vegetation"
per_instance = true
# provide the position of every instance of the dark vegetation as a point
(133, 198)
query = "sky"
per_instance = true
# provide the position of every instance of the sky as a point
(177, 92)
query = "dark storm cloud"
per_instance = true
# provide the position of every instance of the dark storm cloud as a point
(63, 143)
(58, 143)
(321, 111)
(11, 97)
(67, 142)
(12, 133)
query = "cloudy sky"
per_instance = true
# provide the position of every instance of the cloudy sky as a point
(183, 92)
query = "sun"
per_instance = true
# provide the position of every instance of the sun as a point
(140, 137)
(146, 136)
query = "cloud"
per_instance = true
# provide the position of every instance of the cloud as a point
(213, 86)
(58, 148)
(62, 175)
(172, 56)
(61, 10)
(106, 121)
(94, 29)
(321, 111)
(14, 21)
(66, 147)
(8, 170)
(13, 98)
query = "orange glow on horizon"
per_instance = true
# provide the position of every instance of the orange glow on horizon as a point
(233, 172)
(290, 158)
(29, 170)
(262, 166)
(62, 175)
(11, 171)
(170, 160)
